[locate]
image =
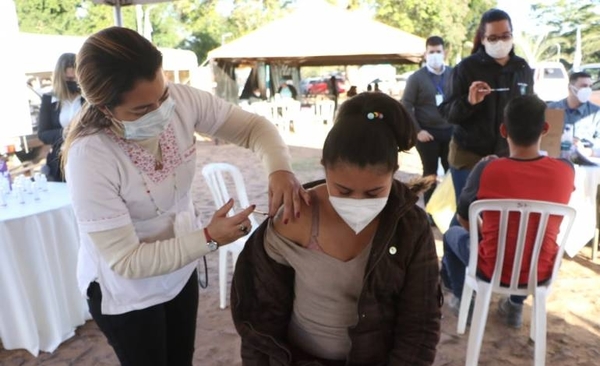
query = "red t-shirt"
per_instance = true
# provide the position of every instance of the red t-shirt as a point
(541, 179)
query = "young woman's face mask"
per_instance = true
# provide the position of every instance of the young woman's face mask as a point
(358, 195)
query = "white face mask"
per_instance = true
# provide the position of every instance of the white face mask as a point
(434, 60)
(150, 124)
(357, 213)
(582, 94)
(498, 49)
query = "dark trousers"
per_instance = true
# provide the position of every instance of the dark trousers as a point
(431, 151)
(161, 335)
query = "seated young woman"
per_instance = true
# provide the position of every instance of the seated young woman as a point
(354, 279)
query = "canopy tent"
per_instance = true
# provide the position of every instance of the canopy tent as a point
(39, 52)
(120, 3)
(320, 35)
(16, 119)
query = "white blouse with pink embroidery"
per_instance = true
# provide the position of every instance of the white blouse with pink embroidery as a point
(114, 183)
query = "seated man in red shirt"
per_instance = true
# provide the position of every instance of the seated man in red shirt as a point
(525, 174)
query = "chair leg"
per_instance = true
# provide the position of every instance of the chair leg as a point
(222, 278)
(482, 306)
(532, 329)
(595, 246)
(465, 303)
(540, 329)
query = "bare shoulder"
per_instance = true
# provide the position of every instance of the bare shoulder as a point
(297, 229)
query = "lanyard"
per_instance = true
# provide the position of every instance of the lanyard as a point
(438, 86)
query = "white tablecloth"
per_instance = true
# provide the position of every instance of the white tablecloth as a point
(583, 200)
(40, 304)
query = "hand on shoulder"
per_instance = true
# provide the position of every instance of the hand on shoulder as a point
(296, 229)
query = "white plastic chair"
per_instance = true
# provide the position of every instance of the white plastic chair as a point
(484, 289)
(215, 175)
(324, 111)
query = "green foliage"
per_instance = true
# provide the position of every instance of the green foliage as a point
(455, 21)
(558, 23)
(69, 17)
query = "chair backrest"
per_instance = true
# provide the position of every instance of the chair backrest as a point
(215, 175)
(526, 208)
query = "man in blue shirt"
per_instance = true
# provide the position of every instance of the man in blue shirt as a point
(582, 115)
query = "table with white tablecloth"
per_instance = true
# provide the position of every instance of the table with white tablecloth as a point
(40, 303)
(585, 202)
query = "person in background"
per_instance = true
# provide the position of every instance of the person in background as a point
(334, 91)
(369, 87)
(582, 117)
(480, 87)
(57, 110)
(376, 88)
(423, 94)
(130, 159)
(287, 90)
(525, 174)
(354, 280)
(351, 92)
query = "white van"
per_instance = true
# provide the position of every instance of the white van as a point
(550, 81)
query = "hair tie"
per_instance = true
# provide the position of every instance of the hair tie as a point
(373, 115)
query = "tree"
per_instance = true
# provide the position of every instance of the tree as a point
(560, 21)
(68, 17)
(455, 21)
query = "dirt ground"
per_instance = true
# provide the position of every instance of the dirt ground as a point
(573, 307)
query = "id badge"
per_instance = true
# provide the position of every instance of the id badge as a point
(439, 98)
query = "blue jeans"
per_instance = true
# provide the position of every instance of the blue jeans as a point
(459, 180)
(456, 258)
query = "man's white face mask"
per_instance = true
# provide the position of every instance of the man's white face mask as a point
(435, 60)
(582, 94)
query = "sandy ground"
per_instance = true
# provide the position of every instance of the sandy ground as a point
(573, 307)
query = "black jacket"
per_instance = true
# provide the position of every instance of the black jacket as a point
(50, 132)
(477, 127)
(398, 313)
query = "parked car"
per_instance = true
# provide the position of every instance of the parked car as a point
(306, 84)
(592, 69)
(595, 98)
(321, 86)
(550, 81)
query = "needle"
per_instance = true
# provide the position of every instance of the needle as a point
(496, 90)
(259, 212)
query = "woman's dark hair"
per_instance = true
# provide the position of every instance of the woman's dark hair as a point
(109, 64)
(369, 129)
(490, 16)
(524, 118)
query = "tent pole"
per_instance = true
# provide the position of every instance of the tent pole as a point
(118, 18)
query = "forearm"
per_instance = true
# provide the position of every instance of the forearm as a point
(130, 258)
(259, 135)
(458, 110)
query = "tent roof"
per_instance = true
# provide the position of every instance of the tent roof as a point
(324, 35)
(40, 52)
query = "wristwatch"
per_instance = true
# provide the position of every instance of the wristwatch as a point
(210, 242)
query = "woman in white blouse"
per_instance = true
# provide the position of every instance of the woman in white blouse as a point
(130, 160)
(57, 110)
